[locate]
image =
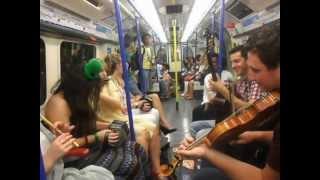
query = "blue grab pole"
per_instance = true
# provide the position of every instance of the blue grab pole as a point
(221, 37)
(124, 66)
(43, 175)
(140, 63)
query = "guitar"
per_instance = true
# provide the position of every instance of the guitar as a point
(242, 120)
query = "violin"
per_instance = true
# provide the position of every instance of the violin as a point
(240, 121)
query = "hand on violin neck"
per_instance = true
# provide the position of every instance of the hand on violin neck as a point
(186, 142)
(194, 153)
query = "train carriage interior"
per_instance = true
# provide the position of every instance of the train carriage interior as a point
(166, 71)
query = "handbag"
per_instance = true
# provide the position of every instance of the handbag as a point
(125, 158)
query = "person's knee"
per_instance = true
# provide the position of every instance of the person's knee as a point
(193, 129)
(201, 132)
(196, 126)
(155, 97)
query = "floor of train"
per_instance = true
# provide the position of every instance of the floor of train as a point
(180, 119)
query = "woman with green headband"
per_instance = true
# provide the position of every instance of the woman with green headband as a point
(75, 101)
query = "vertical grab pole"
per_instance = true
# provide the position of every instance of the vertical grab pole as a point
(124, 66)
(141, 76)
(175, 61)
(221, 37)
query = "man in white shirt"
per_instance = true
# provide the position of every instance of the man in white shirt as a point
(206, 110)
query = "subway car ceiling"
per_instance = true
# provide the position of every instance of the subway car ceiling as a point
(94, 20)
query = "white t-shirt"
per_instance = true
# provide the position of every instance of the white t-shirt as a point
(208, 94)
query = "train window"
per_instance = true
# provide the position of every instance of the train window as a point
(74, 53)
(43, 78)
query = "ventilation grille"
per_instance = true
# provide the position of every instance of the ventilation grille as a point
(95, 3)
(174, 9)
(239, 10)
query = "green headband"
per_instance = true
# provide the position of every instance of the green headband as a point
(92, 68)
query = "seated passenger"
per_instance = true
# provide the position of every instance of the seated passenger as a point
(212, 107)
(54, 148)
(188, 74)
(203, 68)
(75, 101)
(132, 52)
(113, 106)
(165, 82)
(196, 73)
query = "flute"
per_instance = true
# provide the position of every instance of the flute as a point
(44, 119)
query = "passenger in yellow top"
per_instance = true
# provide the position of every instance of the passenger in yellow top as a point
(113, 107)
(148, 61)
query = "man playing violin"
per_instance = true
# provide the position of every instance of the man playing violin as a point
(263, 51)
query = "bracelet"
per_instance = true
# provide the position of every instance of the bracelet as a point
(96, 137)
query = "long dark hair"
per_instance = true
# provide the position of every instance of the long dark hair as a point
(82, 97)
